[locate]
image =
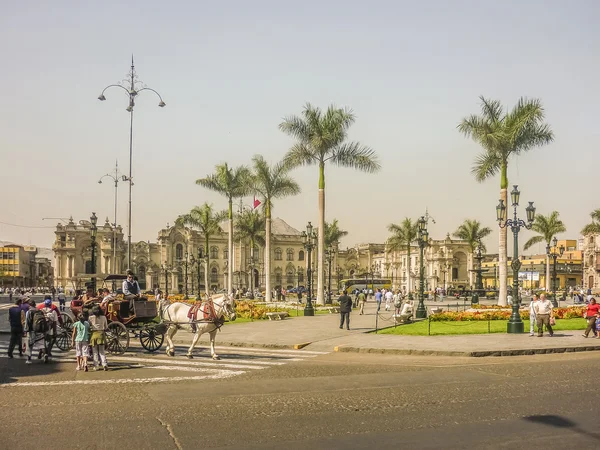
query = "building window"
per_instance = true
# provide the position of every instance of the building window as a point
(214, 275)
(214, 252)
(300, 277)
(226, 253)
(290, 254)
(301, 255)
(256, 253)
(278, 279)
(179, 251)
(278, 254)
(290, 278)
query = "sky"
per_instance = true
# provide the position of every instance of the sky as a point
(230, 72)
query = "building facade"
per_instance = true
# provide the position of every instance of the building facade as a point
(591, 262)
(18, 266)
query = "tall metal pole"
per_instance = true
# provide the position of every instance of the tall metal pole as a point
(114, 264)
(130, 180)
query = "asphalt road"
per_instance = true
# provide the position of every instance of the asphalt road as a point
(268, 399)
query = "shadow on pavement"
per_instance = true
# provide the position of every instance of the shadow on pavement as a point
(13, 370)
(561, 422)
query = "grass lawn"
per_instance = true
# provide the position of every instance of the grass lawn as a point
(474, 327)
(291, 312)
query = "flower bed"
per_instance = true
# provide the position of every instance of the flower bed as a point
(501, 314)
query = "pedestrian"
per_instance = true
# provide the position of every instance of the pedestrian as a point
(51, 314)
(534, 300)
(591, 315)
(98, 326)
(389, 300)
(378, 297)
(29, 329)
(81, 341)
(62, 300)
(589, 295)
(345, 308)
(16, 318)
(543, 314)
(362, 299)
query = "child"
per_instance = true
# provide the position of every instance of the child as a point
(81, 341)
(98, 325)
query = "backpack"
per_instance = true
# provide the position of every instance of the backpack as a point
(39, 323)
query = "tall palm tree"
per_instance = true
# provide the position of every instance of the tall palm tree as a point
(472, 232)
(547, 227)
(503, 134)
(321, 137)
(403, 236)
(271, 182)
(208, 221)
(229, 182)
(333, 233)
(594, 226)
(250, 226)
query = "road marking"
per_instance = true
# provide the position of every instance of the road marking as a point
(225, 374)
(185, 363)
(193, 369)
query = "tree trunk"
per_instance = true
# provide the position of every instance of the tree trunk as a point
(321, 237)
(502, 254)
(268, 254)
(230, 249)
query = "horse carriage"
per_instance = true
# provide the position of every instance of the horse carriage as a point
(137, 318)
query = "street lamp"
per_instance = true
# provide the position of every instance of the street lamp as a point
(198, 262)
(515, 324)
(94, 231)
(554, 254)
(329, 256)
(309, 237)
(132, 89)
(185, 265)
(166, 268)
(116, 179)
(423, 238)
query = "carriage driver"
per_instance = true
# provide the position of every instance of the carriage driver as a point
(131, 288)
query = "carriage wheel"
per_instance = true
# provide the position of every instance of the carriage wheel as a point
(117, 338)
(63, 340)
(67, 323)
(150, 339)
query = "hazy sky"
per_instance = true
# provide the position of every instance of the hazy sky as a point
(230, 71)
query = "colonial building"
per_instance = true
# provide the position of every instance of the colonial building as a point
(17, 265)
(591, 261)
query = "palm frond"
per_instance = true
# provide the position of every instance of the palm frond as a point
(591, 228)
(357, 156)
(533, 241)
(486, 165)
(299, 155)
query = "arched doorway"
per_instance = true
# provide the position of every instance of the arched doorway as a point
(256, 283)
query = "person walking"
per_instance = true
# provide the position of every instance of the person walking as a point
(62, 300)
(345, 308)
(534, 300)
(98, 326)
(389, 300)
(16, 318)
(362, 299)
(591, 314)
(543, 314)
(81, 340)
(378, 296)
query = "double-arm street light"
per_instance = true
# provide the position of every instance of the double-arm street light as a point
(94, 231)
(116, 178)
(515, 324)
(554, 252)
(423, 239)
(309, 237)
(132, 86)
(198, 261)
(166, 268)
(329, 257)
(185, 264)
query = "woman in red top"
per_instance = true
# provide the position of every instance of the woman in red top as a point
(591, 314)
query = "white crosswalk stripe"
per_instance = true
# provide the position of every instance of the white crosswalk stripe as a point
(234, 361)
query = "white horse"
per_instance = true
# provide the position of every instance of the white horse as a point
(175, 316)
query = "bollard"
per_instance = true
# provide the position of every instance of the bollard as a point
(376, 321)
(429, 326)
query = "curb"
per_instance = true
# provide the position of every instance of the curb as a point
(477, 354)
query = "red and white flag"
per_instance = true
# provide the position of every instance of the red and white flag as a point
(256, 202)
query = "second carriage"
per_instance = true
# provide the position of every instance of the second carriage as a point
(127, 318)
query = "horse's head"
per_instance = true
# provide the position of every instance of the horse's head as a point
(226, 304)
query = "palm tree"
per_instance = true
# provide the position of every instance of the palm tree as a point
(321, 137)
(503, 135)
(333, 233)
(547, 227)
(472, 232)
(402, 238)
(271, 182)
(594, 226)
(208, 221)
(250, 226)
(229, 182)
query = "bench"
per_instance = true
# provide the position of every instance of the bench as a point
(333, 309)
(436, 310)
(402, 318)
(277, 315)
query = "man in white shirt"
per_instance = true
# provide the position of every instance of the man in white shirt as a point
(389, 300)
(543, 313)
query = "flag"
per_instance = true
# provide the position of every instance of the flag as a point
(256, 202)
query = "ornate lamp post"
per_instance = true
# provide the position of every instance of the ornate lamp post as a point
(166, 268)
(329, 256)
(132, 86)
(423, 238)
(185, 265)
(554, 254)
(197, 262)
(94, 230)
(515, 324)
(309, 237)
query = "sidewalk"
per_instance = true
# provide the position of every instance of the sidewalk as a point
(322, 333)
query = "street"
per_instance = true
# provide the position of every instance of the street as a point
(262, 398)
